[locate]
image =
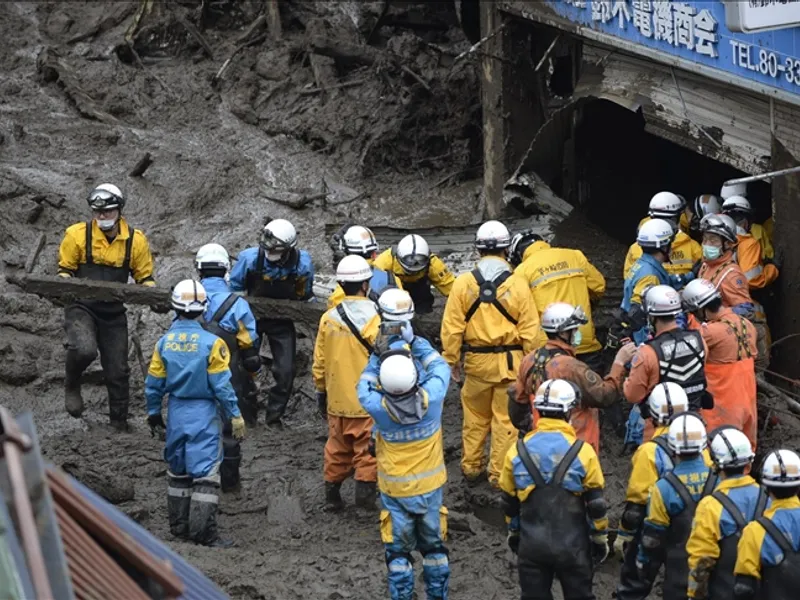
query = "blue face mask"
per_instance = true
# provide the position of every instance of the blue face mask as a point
(711, 252)
(577, 338)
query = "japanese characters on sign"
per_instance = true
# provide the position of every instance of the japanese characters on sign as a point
(695, 31)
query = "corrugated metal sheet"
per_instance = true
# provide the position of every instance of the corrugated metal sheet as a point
(718, 121)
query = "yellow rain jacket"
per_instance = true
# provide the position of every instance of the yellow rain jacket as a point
(493, 345)
(749, 254)
(683, 254)
(339, 356)
(107, 257)
(752, 553)
(563, 275)
(440, 276)
(713, 524)
(763, 233)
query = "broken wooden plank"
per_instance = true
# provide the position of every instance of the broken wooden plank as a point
(34, 255)
(141, 166)
(274, 19)
(65, 291)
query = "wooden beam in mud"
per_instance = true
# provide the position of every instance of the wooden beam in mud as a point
(64, 291)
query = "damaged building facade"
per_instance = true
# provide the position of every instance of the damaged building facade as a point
(611, 101)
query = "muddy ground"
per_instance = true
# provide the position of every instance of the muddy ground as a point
(78, 107)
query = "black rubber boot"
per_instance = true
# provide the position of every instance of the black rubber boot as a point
(366, 492)
(179, 496)
(73, 401)
(203, 515)
(333, 497)
(231, 459)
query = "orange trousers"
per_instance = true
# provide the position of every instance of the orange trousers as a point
(347, 450)
(733, 386)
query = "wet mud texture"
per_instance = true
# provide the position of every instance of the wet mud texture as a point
(78, 107)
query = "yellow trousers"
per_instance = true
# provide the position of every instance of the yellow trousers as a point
(485, 408)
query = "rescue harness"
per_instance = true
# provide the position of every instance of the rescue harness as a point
(280, 289)
(213, 325)
(537, 374)
(91, 270)
(487, 294)
(743, 348)
(561, 469)
(353, 329)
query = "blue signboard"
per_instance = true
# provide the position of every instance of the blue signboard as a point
(695, 32)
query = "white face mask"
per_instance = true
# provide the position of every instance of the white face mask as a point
(106, 224)
(274, 256)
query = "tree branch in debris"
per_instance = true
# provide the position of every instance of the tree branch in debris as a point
(141, 166)
(772, 390)
(295, 200)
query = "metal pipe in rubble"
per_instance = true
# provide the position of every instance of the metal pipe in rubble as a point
(763, 176)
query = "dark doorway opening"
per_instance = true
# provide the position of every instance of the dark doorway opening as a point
(620, 167)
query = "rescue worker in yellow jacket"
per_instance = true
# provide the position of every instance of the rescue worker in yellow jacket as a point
(404, 390)
(721, 517)
(104, 249)
(671, 507)
(360, 241)
(768, 554)
(684, 252)
(491, 319)
(762, 233)
(556, 514)
(344, 343)
(561, 275)
(651, 461)
(758, 268)
(417, 269)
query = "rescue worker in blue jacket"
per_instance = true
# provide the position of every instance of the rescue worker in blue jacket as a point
(407, 408)
(671, 507)
(655, 239)
(190, 366)
(228, 316)
(556, 513)
(721, 517)
(276, 269)
(768, 554)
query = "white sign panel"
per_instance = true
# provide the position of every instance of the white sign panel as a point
(761, 15)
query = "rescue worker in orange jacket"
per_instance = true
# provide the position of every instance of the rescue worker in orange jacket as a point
(561, 322)
(105, 248)
(344, 343)
(561, 275)
(491, 320)
(759, 270)
(684, 251)
(671, 355)
(720, 268)
(730, 364)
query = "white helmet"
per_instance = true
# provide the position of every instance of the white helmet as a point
(556, 396)
(277, 238)
(730, 449)
(189, 296)
(492, 235)
(735, 189)
(706, 204)
(662, 301)
(655, 233)
(106, 196)
(398, 374)
(666, 205)
(359, 240)
(667, 400)
(781, 469)
(520, 243)
(395, 304)
(413, 253)
(212, 256)
(561, 316)
(687, 434)
(698, 293)
(721, 225)
(737, 205)
(353, 269)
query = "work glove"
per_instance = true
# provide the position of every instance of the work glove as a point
(157, 426)
(237, 425)
(625, 354)
(599, 548)
(621, 544)
(513, 541)
(322, 403)
(407, 332)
